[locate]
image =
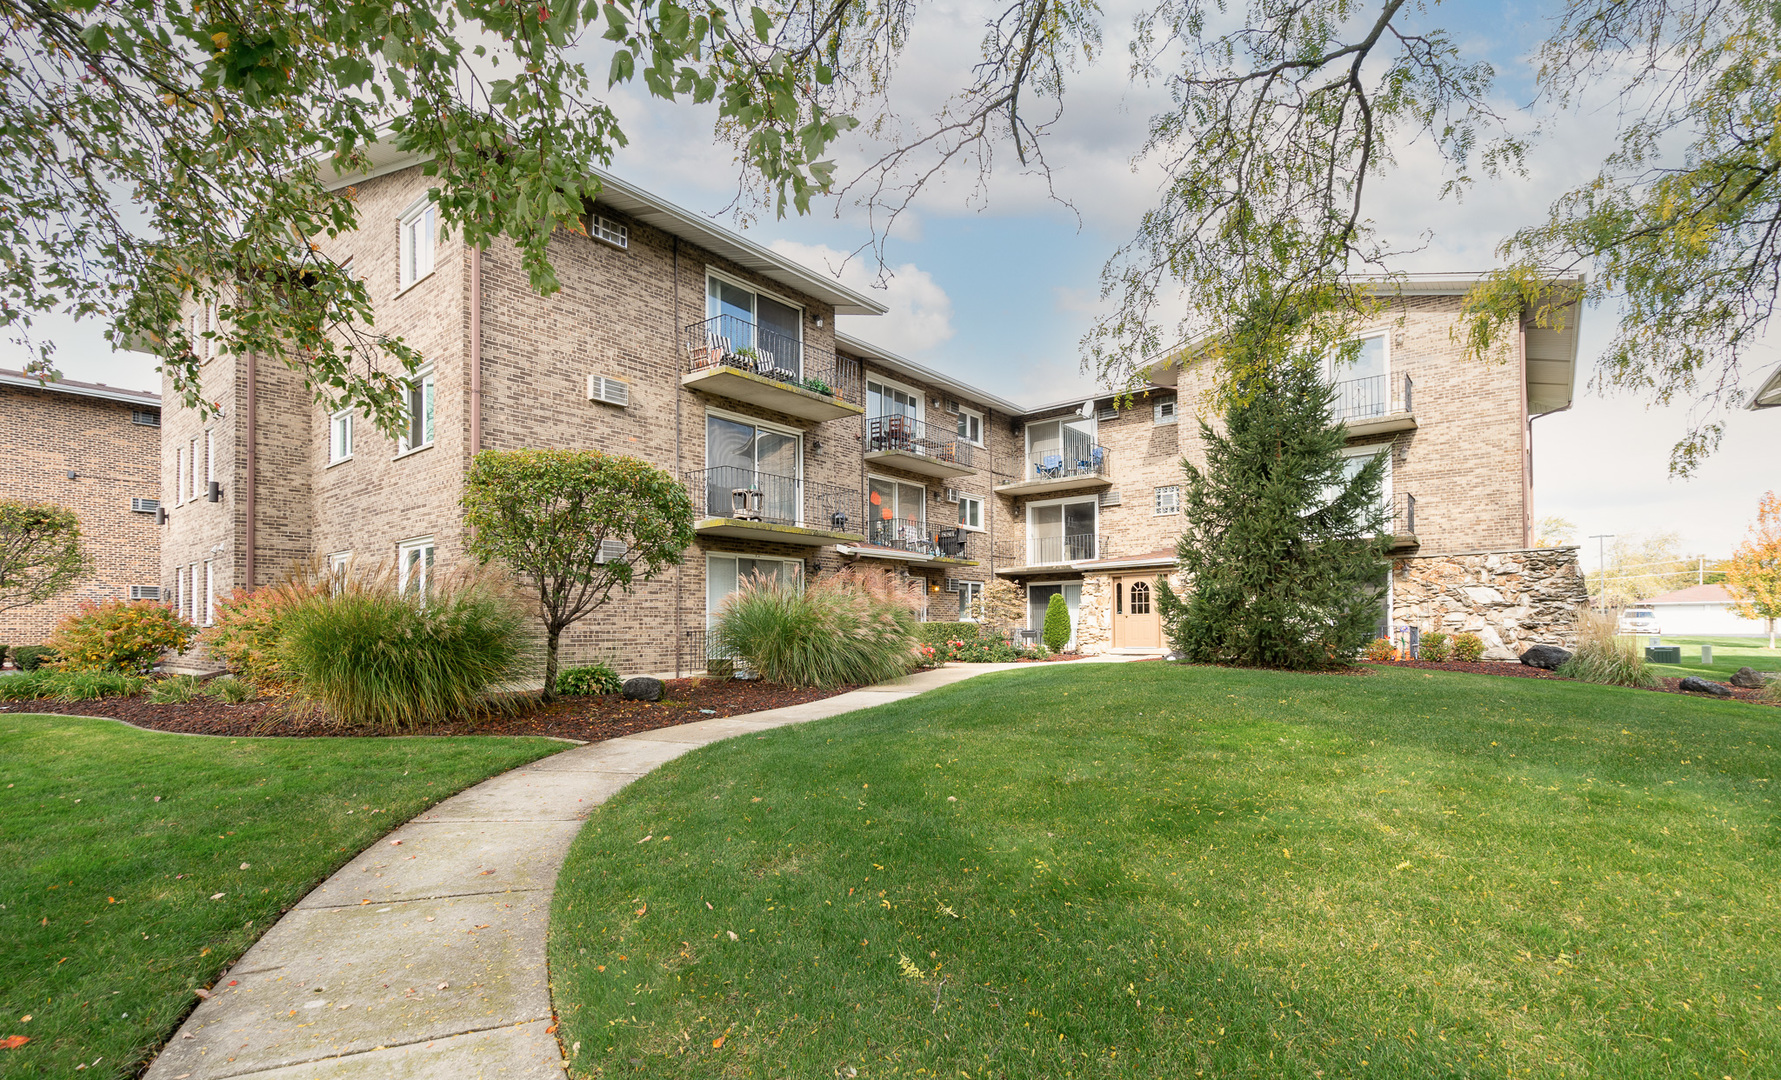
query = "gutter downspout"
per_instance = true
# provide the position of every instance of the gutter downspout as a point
(253, 372)
(1527, 443)
(679, 394)
(475, 350)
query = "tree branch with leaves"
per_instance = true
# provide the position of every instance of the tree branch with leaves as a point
(41, 553)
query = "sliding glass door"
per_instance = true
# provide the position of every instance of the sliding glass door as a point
(751, 472)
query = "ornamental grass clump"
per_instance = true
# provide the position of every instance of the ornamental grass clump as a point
(850, 628)
(373, 657)
(1603, 656)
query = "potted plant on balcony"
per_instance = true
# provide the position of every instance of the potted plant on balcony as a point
(817, 386)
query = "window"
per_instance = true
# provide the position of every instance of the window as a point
(417, 430)
(209, 459)
(1356, 459)
(896, 513)
(1168, 500)
(724, 574)
(748, 320)
(191, 611)
(144, 506)
(419, 233)
(971, 512)
(340, 436)
(971, 426)
(195, 470)
(1163, 412)
(414, 563)
(1061, 532)
(889, 399)
(970, 594)
(613, 232)
(1140, 598)
(209, 593)
(339, 562)
(752, 472)
(179, 590)
(1064, 447)
(145, 417)
(179, 475)
(1359, 377)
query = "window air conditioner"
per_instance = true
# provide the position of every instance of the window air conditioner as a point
(608, 390)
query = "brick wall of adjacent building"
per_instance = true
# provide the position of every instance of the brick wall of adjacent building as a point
(45, 434)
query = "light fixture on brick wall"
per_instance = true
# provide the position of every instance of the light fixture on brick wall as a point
(72, 475)
(215, 492)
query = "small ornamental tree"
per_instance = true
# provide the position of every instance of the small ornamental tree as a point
(1753, 577)
(1285, 544)
(1057, 623)
(40, 552)
(574, 525)
(1002, 607)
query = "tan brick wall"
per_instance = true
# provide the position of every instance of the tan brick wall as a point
(45, 435)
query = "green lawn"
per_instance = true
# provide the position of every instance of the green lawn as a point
(115, 844)
(1729, 654)
(1149, 870)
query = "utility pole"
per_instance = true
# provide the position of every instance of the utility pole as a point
(1601, 566)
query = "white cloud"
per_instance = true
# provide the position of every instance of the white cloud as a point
(920, 317)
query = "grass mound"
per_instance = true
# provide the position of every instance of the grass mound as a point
(1149, 870)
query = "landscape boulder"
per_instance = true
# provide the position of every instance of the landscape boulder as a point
(643, 688)
(1545, 657)
(1747, 679)
(1704, 686)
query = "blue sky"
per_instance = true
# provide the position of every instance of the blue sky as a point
(998, 286)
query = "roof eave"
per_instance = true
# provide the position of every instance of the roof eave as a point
(108, 393)
(865, 350)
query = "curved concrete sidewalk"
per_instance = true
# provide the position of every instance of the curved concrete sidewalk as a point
(425, 956)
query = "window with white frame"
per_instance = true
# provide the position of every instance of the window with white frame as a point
(179, 475)
(1359, 373)
(196, 470)
(1168, 499)
(753, 471)
(746, 319)
(1163, 411)
(971, 426)
(417, 426)
(191, 611)
(209, 458)
(339, 562)
(340, 436)
(889, 399)
(1066, 444)
(896, 512)
(1354, 459)
(209, 593)
(971, 512)
(970, 594)
(1062, 531)
(179, 591)
(724, 574)
(414, 566)
(419, 232)
(616, 233)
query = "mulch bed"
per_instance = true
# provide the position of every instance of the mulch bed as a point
(585, 719)
(1523, 671)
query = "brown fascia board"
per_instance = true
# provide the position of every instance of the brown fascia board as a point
(865, 350)
(80, 389)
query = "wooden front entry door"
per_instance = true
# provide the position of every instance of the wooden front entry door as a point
(1136, 622)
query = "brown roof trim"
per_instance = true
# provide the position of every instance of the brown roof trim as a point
(83, 389)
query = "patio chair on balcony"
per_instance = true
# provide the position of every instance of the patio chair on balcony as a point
(713, 352)
(951, 543)
(1050, 466)
(745, 504)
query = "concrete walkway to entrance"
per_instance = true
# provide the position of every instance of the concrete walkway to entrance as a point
(425, 956)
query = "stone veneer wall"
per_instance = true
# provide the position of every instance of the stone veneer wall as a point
(1094, 615)
(1512, 599)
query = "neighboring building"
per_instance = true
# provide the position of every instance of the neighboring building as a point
(1702, 610)
(94, 449)
(804, 450)
(1768, 391)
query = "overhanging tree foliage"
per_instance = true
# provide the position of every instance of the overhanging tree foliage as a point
(1285, 541)
(1753, 577)
(574, 525)
(40, 552)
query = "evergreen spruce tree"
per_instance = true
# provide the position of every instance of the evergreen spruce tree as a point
(1285, 547)
(1056, 632)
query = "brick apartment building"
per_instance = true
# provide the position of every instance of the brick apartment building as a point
(93, 449)
(804, 450)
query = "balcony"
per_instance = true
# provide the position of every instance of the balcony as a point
(1375, 405)
(911, 540)
(1403, 522)
(750, 505)
(1079, 467)
(1039, 553)
(903, 442)
(733, 358)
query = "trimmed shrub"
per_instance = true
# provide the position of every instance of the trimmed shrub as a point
(1057, 624)
(989, 652)
(119, 636)
(1601, 655)
(230, 689)
(26, 687)
(1468, 648)
(249, 625)
(938, 634)
(1435, 646)
(175, 691)
(30, 657)
(1379, 650)
(587, 680)
(852, 627)
(93, 684)
(371, 657)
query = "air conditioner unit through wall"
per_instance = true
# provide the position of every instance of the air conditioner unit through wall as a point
(952, 495)
(608, 390)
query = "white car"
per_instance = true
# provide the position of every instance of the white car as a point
(1639, 621)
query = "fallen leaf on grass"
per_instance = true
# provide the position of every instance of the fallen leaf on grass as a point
(717, 1042)
(244, 866)
(13, 1042)
(202, 993)
(445, 986)
(219, 896)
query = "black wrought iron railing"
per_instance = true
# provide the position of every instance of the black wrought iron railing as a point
(1403, 514)
(1373, 396)
(920, 537)
(729, 491)
(726, 341)
(1074, 460)
(1053, 550)
(912, 436)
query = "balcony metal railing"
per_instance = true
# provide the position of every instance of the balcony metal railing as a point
(1075, 460)
(726, 341)
(1053, 550)
(912, 436)
(1403, 514)
(729, 491)
(1372, 397)
(921, 538)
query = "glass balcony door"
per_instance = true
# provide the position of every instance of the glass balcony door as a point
(760, 463)
(1061, 532)
(896, 513)
(1061, 444)
(749, 320)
